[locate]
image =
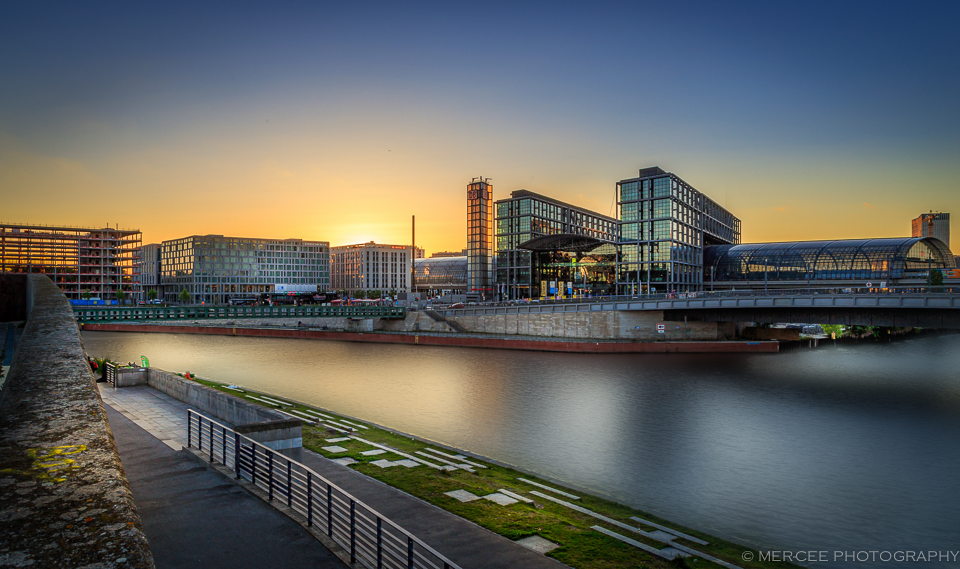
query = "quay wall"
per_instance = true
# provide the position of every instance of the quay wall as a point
(459, 340)
(64, 497)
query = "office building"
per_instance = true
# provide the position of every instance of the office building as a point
(480, 253)
(548, 248)
(440, 254)
(664, 226)
(933, 224)
(82, 261)
(148, 268)
(214, 268)
(371, 266)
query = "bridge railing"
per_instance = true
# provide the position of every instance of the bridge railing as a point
(792, 292)
(370, 538)
(114, 313)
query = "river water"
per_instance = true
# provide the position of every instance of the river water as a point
(844, 448)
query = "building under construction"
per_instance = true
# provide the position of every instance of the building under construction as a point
(80, 260)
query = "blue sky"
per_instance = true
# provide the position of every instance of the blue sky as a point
(331, 121)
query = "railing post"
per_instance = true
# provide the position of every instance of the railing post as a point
(236, 454)
(189, 427)
(253, 462)
(329, 511)
(409, 552)
(309, 499)
(353, 531)
(379, 543)
(223, 444)
(270, 475)
(289, 483)
(200, 433)
(211, 441)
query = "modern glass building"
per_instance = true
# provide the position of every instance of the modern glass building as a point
(437, 276)
(664, 226)
(479, 239)
(214, 268)
(852, 262)
(933, 224)
(546, 247)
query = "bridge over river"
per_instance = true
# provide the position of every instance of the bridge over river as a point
(908, 307)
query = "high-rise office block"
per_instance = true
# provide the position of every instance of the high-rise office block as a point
(214, 268)
(664, 226)
(480, 238)
(933, 224)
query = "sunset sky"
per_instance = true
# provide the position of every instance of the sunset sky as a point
(338, 121)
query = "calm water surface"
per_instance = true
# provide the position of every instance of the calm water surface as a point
(853, 447)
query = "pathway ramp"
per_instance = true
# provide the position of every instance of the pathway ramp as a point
(463, 542)
(194, 517)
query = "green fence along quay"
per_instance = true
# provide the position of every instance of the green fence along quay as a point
(118, 313)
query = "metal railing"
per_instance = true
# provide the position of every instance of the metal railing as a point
(114, 313)
(726, 293)
(110, 373)
(370, 539)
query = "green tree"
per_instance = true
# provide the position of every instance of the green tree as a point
(86, 295)
(152, 294)
(936, 278)
(359, 293)
(184, 296)
(374, 294)
(836, 329)
(120, 294)
(392, 294)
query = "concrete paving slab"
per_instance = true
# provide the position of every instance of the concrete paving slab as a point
(334, 449)
(408, 463)
(383, 463)
(345, 461)
(538, 544)
(499, 498)
(462, 495)
(338, 439)
(373, 452)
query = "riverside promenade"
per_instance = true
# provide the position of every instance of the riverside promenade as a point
(196, 516)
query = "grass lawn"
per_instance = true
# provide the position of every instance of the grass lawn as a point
(580, 546)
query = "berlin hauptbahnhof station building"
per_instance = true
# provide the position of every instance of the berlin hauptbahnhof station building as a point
(667, 237)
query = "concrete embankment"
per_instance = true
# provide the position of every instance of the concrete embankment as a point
(64, 497)
(457, 340)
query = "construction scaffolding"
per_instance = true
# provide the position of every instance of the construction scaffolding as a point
(84, 262)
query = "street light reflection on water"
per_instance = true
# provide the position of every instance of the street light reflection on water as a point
(843, 447)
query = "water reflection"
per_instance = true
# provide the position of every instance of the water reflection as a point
(845, 447)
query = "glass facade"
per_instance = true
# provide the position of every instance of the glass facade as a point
(800, 263)
(441, 275)
(480, 239)
(214, 268)
(589, 264)
(664, 226)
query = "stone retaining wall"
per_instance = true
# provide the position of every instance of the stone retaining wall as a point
(64, 497)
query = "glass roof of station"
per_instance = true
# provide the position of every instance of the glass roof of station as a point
(440, 271)
(827, 260)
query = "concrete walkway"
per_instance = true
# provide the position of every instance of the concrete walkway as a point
(463, 542)
(194, 517)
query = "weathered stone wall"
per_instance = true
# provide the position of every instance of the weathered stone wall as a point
(64, 497)
(601, 325)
